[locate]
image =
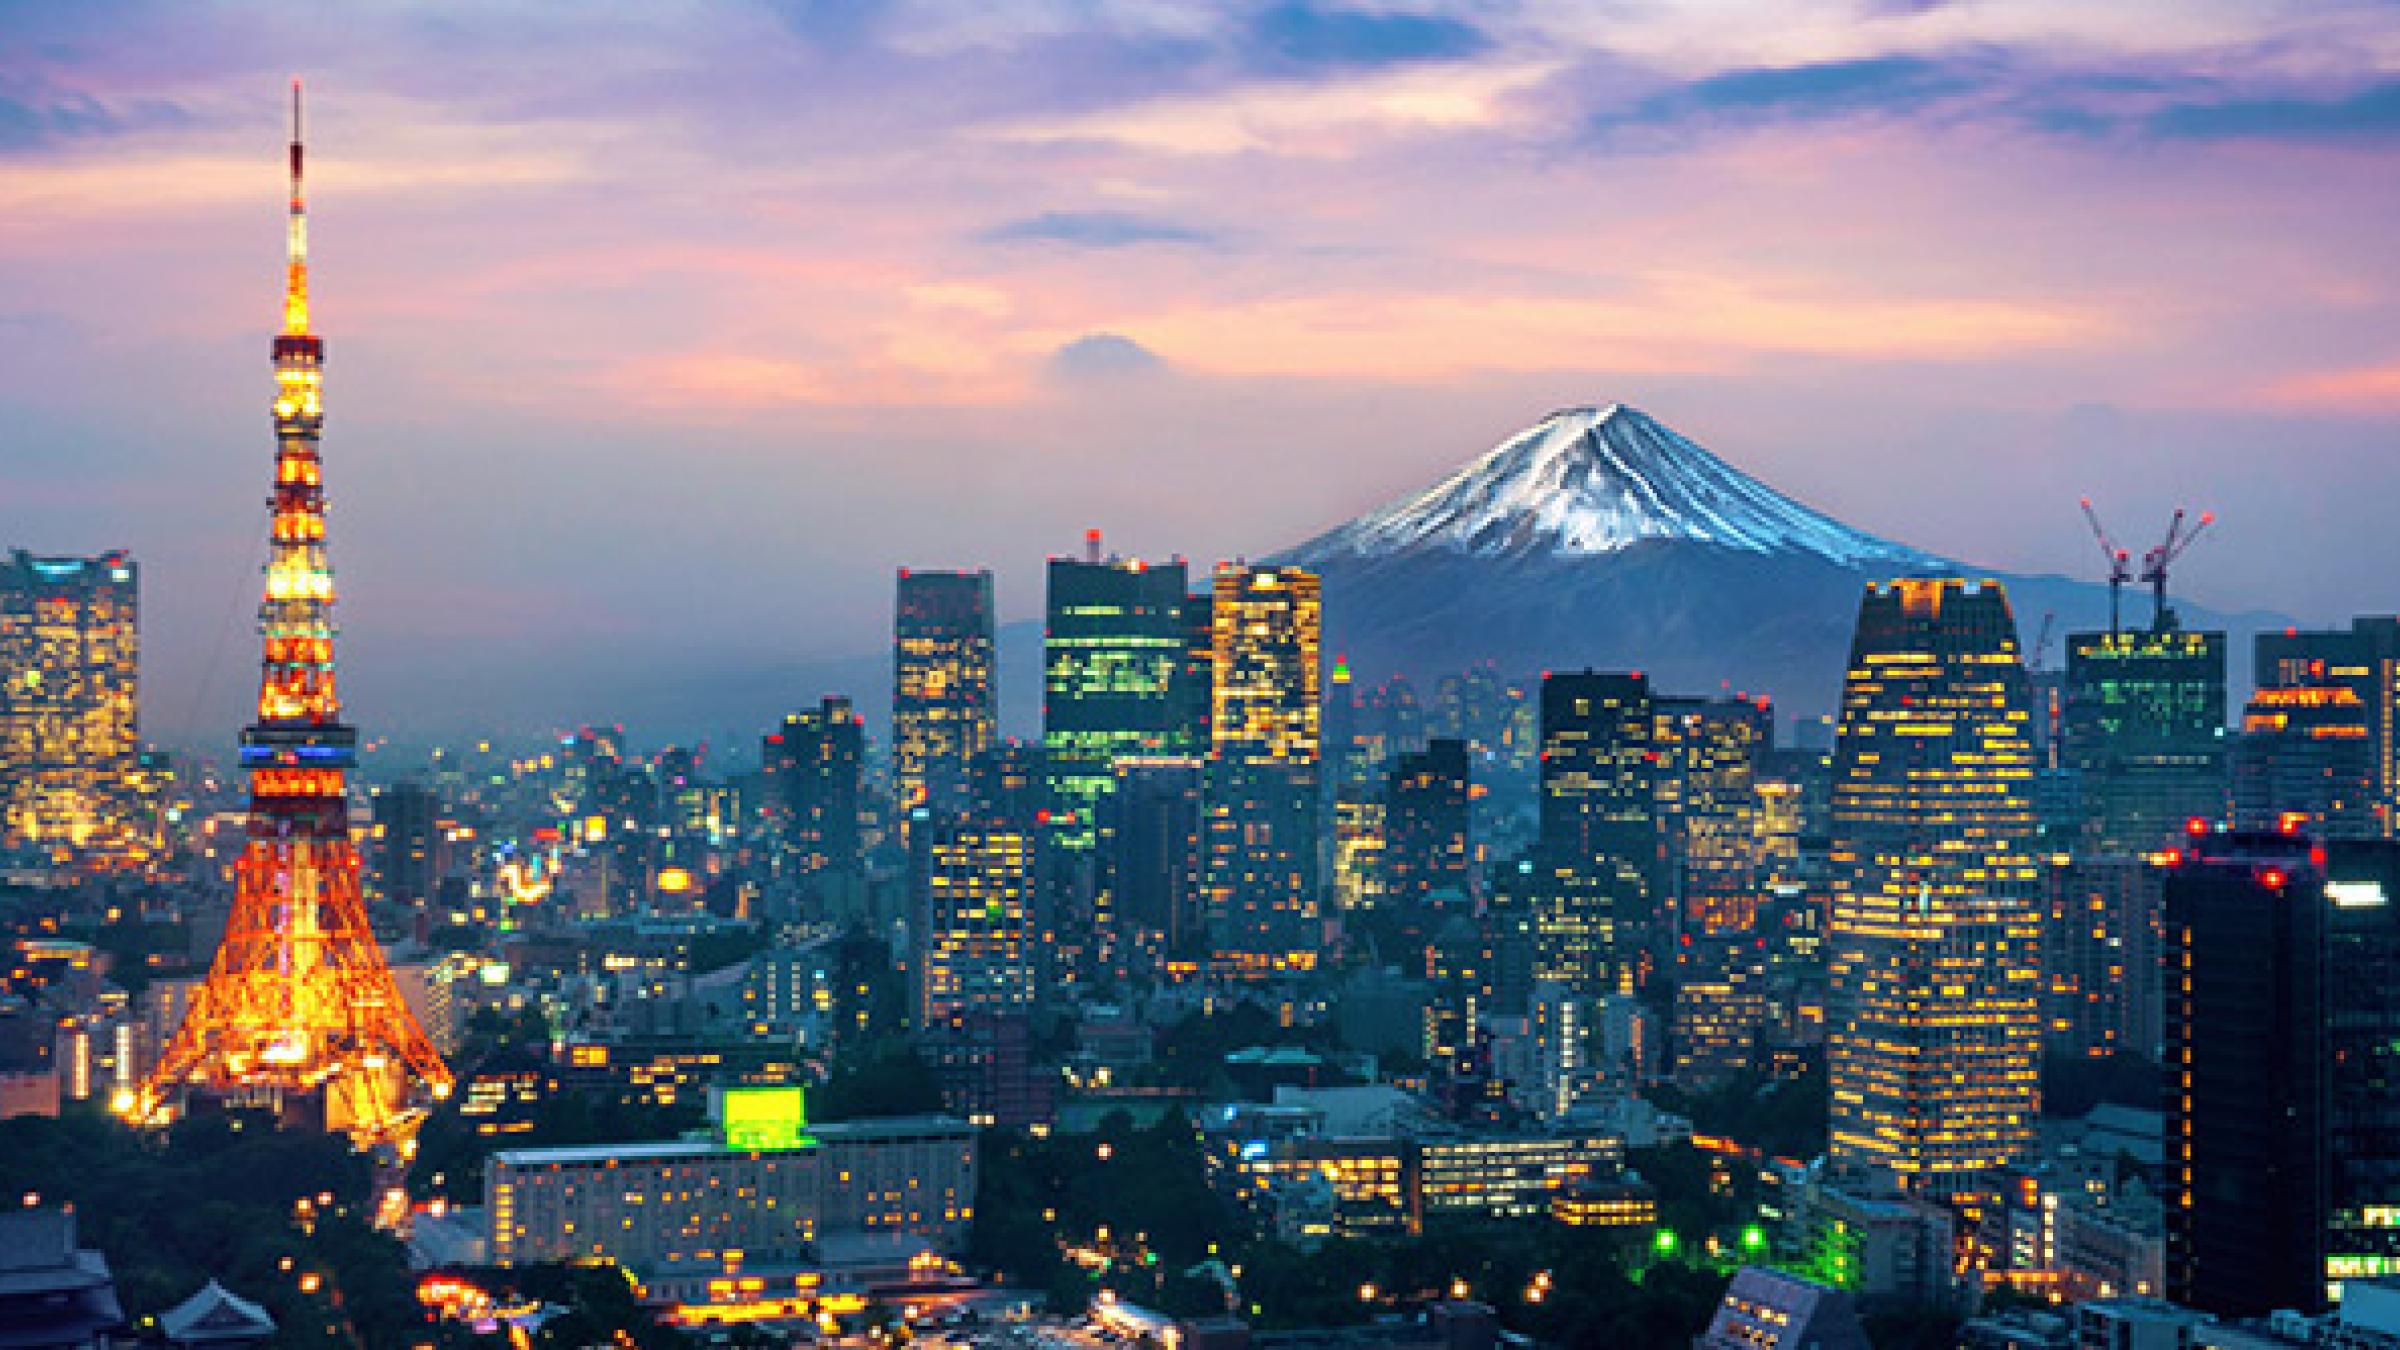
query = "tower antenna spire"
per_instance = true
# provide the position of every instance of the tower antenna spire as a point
(295, 285)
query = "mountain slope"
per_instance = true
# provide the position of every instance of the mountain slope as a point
(1599, 481)
(1601, 537)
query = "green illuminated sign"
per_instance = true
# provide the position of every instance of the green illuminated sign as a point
(764, 1119)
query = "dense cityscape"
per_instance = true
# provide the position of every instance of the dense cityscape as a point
(2038, 991)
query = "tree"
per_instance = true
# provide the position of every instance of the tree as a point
(884, 1079)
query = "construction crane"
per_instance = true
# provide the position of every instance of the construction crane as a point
(2154, 564)
(2040, 650)
(2120, 562)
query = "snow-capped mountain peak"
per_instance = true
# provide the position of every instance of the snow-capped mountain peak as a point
(1598, 480)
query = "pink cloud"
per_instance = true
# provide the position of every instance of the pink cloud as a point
(2369, 389)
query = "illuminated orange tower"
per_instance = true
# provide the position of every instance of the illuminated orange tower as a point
(299, 1008)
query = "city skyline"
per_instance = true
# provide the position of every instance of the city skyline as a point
(1129, 265)
(1413, 934)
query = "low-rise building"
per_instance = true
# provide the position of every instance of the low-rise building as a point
(1869, 1238)
(1771, 1310)
(1625, 1203)
(764, 1183)
(1392, 1182)
(53, 1293)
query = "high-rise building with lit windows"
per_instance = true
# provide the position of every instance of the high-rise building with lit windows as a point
(1708, 753)
(1264, 767)
(1115, 654)
(70, 658)
(1359, 842)
(1196, 688)
(1427, 825)
(813, 765)
(2144, 734)
(1720, 1008)
(942, 686)
(2317, 735)
(1267, 704)
(1597, 851)
(1934, 1022)
(1151, 845)
(974, 932)
(412, 844)
(2283, 1056)
(2100, 956)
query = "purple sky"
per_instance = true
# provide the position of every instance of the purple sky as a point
(657, 338)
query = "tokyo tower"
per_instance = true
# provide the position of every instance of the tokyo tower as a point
(299, 1011)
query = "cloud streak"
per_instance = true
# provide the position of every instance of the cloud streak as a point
(2370, 111)
(1884, 85)
(1095, 229)
(1298, 37)
(32, 121)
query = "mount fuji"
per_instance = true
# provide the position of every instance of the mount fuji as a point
(1600, 537)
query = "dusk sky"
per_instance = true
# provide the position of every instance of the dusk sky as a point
(658, 335)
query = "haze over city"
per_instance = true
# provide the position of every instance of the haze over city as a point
(661, 335)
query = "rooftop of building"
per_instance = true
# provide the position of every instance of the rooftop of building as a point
(1767, 1309)
(881, 1127)
(38, 1253)
(55, 1292)
(216, 1315)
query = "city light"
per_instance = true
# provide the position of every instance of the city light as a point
(1949, 959)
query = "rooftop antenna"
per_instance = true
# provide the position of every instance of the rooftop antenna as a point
(1091, 544)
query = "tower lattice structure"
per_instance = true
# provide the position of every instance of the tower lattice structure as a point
(298, 1004)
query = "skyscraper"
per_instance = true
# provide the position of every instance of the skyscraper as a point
(988, 939)
(70, 649)
(1598, 844)
(2317, 734)
(410, 844)
(1708, 753)
(299, 1008)
(1720, 1008)
(1264, 771)
(1196, 683)
(2283, 1109)
(1934, 1024)
(813, 767)
(1116, 649)
(1426, 823)
(975, 948)
(942, 686)
(2100, 956)
(1151, 846)
(2144, 735)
